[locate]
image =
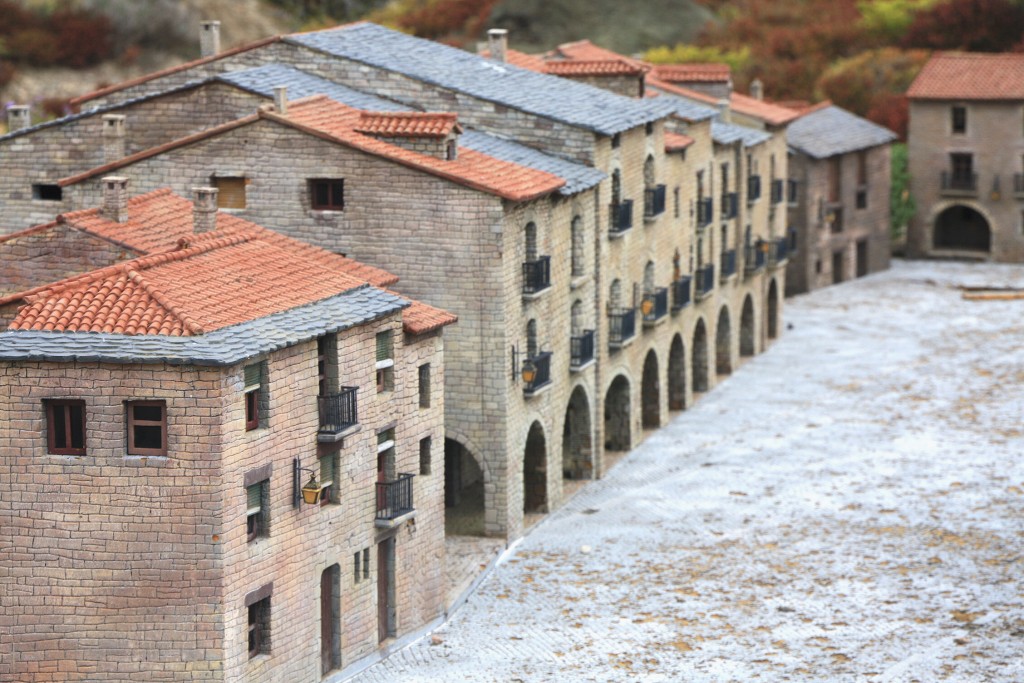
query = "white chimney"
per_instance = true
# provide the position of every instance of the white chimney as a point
(281, 99)
(498, 39)
(18, 116)
(209, 38)
(113, 137)
(757, 89)
(115, 198)
(204, 209)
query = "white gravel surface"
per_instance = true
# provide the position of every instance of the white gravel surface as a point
(848, 506)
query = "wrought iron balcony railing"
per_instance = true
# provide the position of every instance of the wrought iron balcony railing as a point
(581, 349)
(655, 305)
(959, 182)
(654, 201)
(621, 326)
(730, 205)
(728, 263)
(705, 211)
(778, 191)
(704, 281)
(541, 364)
(537, 275)
(753, 188)
(681, 292)
(778, 252)
(394, 498)
(338, 411)
(620, 216)
(755, 256)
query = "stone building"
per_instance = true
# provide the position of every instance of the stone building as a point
(164, 419)
(965, 145)
(841, 218)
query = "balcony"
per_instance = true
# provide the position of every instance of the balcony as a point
(753, 188)
(581, 350)
(536, 373)
(654, 201)
(705, 281)
(655, 306)
(778, 252)
(394, 501)
(620, 216)
(754, 257)
(681, 292)
(834, 217)
(705, 211)
(621, 327)
(728, 263)
(1018, 184)
(778, 191)
(959, 184)
(338, 414)
(536, 276)
(730, 205)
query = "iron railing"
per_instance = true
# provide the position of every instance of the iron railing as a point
(728, 263)
(656, 304)
(654, 201)
(959, 182)
(621, 216)
(705, 280)
(541, 372)
(705, 211)
(778, 251)
(753, 188)
(338, 411)
(537, 275)
(581, 349)
(681, 292)
(778, 191)
(754, 256)
(621, 326)
(394, 498)
(730, 205)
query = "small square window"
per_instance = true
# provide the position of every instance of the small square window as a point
(959, 119)
(65, 427)
(425, 385)
(256, 510)
(147, 427)
(649, 128)
(327, 194)
(231, 191)
(259, 627)
(47, 193)
(862, 198)
(615, 140)
(425, 446)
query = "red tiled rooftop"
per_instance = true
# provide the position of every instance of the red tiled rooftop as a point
(675, 142)
(692, 73)
(766, 111)
(585, 50)
(420, 318)
(970, 76)
(595, 67)
(407, 124)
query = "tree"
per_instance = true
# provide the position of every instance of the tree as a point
(901, 203)
(972, 25)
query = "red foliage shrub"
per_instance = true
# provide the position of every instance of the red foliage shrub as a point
(83, 38)
(973, 25)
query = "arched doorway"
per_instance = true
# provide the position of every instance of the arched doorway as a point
(463, 491)
(577, 442)
(773, 310)
(677, 375)
(700, 357)
(723, 338)
(747, 327)
(962, 228)
(650, 392)
(616, 415)
(535, 471)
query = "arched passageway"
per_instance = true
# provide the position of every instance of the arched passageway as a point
(747, 343)
(650, 392)
(962, 228)
(700, 357)
(616, 415)
(463, 491)
(723, 339)
(773, 310)
(577, 442)
(677, 375)
(535, 481)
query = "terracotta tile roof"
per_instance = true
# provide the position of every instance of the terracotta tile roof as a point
(766, 111)
(587, 51)
(692, 73)
(407, 124)
(596, 67)
(970, 76)
(521, 59)
(675, 142)
(420, 318)
(682, 91)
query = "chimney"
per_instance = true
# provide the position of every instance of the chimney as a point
(204, 209)
(757, 89)
(18, 116)
(113, 137)
(115, 198)
(498, 39)
(209, 38)
(281, 99)
(723, 110)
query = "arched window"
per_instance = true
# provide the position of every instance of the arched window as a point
(531, 339)
(577, 318)
(649, 277)
(531, 241)
(615, 295)
(577, 247)
(649, 172)
(616, 187)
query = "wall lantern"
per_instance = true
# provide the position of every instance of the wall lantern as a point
(311, 492)
(647, 305)
(529, 371)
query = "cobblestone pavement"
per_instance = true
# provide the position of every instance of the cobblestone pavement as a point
(847, 507)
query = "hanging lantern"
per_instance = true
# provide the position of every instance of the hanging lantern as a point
(529, 371)
(311, 491)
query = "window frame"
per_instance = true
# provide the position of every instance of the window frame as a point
(385, 366)
(258, 618)
(423, 374)
(221, 182)
(253, 397)
(132, 422)
(256, 522)
(332, 186)
(51, 434)
(958, 119)
(328, 493)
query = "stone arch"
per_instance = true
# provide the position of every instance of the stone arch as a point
(747, 343)
(465, 496)
(650, 392)
(677, 374)
(535, 476)
(963, 228)
(617, 415)
(699, 363)
(577, 437)
(723, 343)
(773, 310)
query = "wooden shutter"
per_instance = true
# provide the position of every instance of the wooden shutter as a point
(231, 193)
(254, 498)
(327, 470)
(383, 346)
(253, 376)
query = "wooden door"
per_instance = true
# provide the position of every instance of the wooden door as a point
(330, 646)
(383, 590)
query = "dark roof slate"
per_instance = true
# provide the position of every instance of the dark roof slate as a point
(832, 130)
(726, 133)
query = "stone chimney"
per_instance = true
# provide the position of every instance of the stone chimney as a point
(281, 99)
(204, 209)
(498, 39)
(18, 116)
(209, 38)
(723, 111)
(115, 198)
(113, 137)
(757, 89)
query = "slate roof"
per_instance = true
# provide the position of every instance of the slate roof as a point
(572, 103)
(685, 108)
(223, 347)
(970, 76)
(727, 133)
(830, 130)
(577, 177)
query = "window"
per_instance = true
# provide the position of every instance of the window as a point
(959, 119)
(230, 191)
(48, 193)
(259, 627)
(364, 573)
(615, 141)
(576, 253)
(649, 128)
(451, 150)
(963, 168)
(327, 194)
(425, 445)
(328, 470)
(862, 198)
(253, 375)
(675, 201)
(256, 510)
(425, 385)
(65, 427)
(834, 171)
(355, 566)
(147, 427)
(366, 563)
(385, 362)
